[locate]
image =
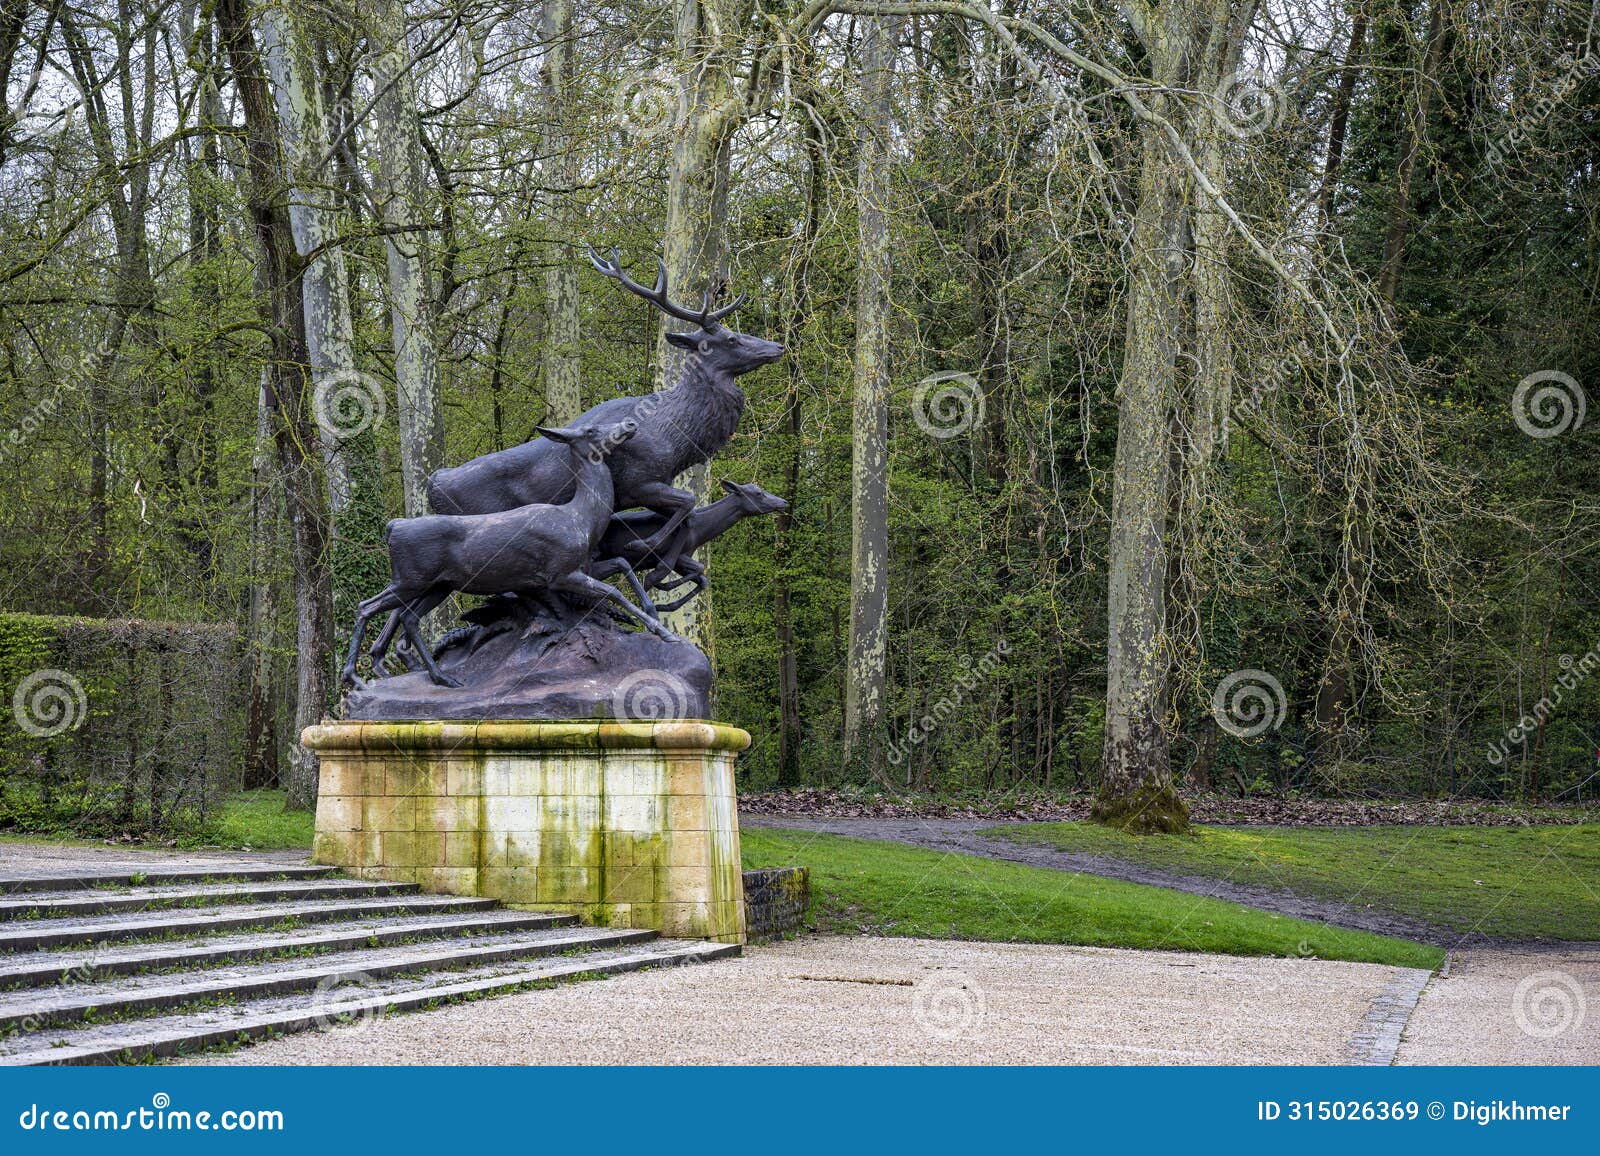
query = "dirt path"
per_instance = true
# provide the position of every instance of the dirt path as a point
(961, 836)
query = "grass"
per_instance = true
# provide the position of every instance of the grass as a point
(1515, 882)
(257, 821)
(861, 886)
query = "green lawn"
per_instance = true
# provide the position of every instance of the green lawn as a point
(1517, 882)
(256, 821)
(865, 887)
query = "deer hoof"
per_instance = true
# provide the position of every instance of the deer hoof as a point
(446, 680)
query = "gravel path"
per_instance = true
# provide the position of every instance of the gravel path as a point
(835, 1000)
(961, 836)
(1527, 1006)
(19, 860)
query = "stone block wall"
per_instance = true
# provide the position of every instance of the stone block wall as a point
(775, 900)
(624, 824)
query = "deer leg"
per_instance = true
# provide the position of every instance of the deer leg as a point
(664, 499)
(380, 645)
(411, 618)
(364, 612)
(579, 582)
(692, 572)
(614, 566)
(415, 607)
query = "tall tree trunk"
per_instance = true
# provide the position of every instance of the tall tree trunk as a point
(798, 316)
(279, 289)
(563, 395)
(403, 199)
(869, 460)
(1338, 124)
(1413, 127)
(1136, 790)
(261, 718)
(694, 246)
(347, 402)
(286, 48)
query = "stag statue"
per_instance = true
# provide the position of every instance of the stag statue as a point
(678, 428)
(536, 528)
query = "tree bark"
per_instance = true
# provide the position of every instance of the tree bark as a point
(1136, 791)
(798, 317)
(869, 462)
(279, 291)
(330, 335)
(563, 394)
(402, 197)
(707, 36)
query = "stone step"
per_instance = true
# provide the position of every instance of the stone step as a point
(60, 904)
(45, 968)
(222, 873)
(175, 1034)
(37, 934)
(124, 997)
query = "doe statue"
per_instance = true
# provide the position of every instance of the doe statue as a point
(540, 527)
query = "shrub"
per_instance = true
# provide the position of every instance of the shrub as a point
(117, 726)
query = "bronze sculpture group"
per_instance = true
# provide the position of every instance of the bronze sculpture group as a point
(540, 527)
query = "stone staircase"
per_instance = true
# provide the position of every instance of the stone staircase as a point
(124, 966)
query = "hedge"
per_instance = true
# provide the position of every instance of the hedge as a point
(114, 726)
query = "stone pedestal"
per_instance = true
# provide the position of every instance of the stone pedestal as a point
(626, 824)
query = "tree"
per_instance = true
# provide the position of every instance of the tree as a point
(869, 463)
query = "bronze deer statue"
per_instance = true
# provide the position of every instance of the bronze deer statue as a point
(678, 427)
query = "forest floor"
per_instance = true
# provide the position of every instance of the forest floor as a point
(1445, 886)
(1041, 807)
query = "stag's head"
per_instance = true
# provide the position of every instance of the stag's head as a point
(719, 348)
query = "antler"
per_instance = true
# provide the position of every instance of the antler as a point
(706, 318)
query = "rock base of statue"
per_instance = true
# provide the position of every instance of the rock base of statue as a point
(625, 824)
(545, 663)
